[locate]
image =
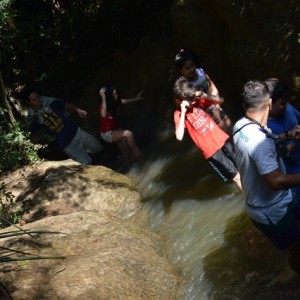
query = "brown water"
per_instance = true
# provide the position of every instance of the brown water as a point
(209, 236)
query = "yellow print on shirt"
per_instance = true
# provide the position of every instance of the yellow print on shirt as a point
(53, 122)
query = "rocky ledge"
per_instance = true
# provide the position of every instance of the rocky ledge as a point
(107, 256)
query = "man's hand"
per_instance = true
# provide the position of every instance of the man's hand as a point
(81, 113)
(294, 134)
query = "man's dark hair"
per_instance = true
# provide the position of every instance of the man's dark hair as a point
(277, 89)
(255, 94)
(183, 90)
(25, 93)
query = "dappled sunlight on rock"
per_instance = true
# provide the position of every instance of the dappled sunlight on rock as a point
(63, 187)
(105, 258)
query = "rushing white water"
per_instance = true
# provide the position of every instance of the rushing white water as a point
(209, 237)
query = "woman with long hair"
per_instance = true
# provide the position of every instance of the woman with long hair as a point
(110, 123)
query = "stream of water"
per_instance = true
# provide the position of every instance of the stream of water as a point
(209, 237)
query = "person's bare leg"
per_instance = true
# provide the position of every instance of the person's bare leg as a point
(135, 151)
(126, 153)
(120, 134)
(237, 181)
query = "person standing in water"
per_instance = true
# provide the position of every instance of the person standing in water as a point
(110, 123)
(269, 200)
(282, 118)
(185, 63)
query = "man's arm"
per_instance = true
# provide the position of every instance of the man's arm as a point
(293, 134)
(81, 113)
(278, 181)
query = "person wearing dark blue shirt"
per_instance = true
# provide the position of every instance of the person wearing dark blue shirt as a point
(282, 118)
(47, 114)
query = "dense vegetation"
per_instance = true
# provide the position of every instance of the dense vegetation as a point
(54, 43)
(55, 40)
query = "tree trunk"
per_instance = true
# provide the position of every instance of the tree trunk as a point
(4, 99)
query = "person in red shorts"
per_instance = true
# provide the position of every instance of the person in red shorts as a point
(209, 138)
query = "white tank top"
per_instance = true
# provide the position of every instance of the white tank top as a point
(201, 84)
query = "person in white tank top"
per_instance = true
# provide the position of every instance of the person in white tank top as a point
(185, 64)
(201, 83)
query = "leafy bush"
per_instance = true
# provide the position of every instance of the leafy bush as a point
(15, 146)
(9, 209)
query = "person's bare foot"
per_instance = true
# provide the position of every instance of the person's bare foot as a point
(138, 155)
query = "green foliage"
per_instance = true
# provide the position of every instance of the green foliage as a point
(6, 201)
(11, 254)
(6, 33)
(9, 209)
(4, 12)
(15, 146)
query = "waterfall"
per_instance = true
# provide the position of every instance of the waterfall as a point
(208, 234)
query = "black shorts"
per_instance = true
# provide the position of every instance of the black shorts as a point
(223, 162)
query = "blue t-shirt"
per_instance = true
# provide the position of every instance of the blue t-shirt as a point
(286, 122)
(52, 119)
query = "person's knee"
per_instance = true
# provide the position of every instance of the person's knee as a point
(87, 161)
(80, 155)
(128, 134)
(82, 159)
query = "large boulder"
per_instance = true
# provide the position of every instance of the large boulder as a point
(105, 259)
(108, 256)
(53, 188)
